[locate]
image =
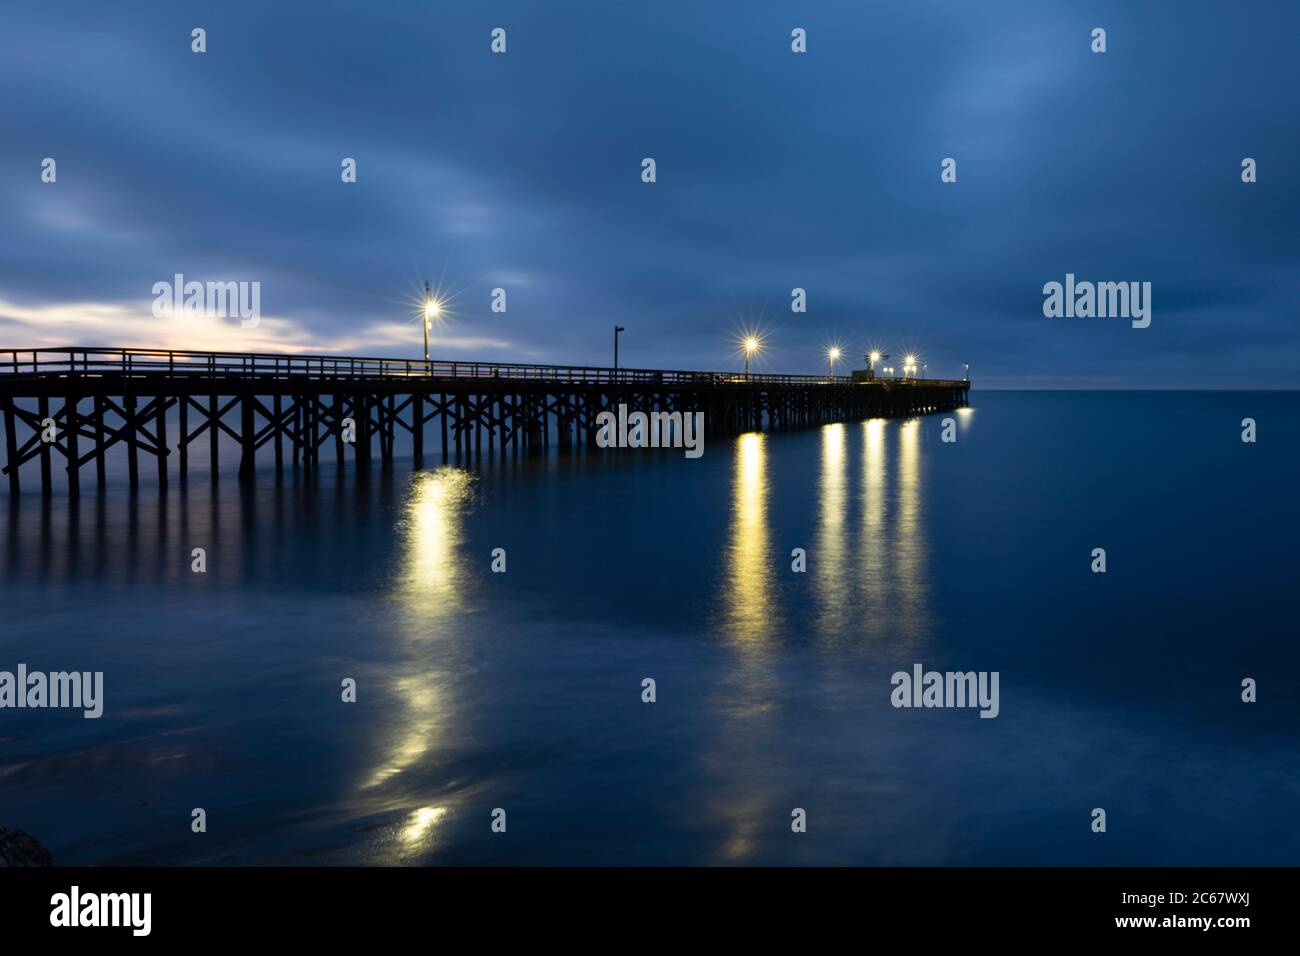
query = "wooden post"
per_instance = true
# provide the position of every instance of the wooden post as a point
(160, 434)
(442, 418)
(338, 429)
(390, 427)
(297, 430)
(247, 462)
(304, 436)
(508, 422)
(361, 414)
(278, 411)
(417, 429)
(99, 442)
(311, 420)
(212, 436)
(46, 486)
(183, 446)
(74, 455)
(457, 427)
(132, 456)
(11, 448)
(527, 423)
(308, 434)
(478, 425)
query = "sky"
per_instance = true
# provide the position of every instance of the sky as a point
(775, 170)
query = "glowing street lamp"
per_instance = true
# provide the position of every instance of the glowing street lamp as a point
(432, 309)
(832, 356)
(873, 357)
(909, 365)
(752, 345)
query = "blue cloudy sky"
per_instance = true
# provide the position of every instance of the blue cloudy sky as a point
(775, 170)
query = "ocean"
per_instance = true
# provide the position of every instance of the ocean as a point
(500, 715)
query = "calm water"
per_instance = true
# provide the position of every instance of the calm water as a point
(523, 690)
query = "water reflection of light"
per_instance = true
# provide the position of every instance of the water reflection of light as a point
(415, 728)
(874, 547)
(744, 829)
(908, 536)
(965, 418)
(746, 698)
(749, 571)
(431, 570)
(831, 575)
(422, 821)
(429, 594)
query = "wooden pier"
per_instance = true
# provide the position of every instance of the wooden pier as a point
(74, 404)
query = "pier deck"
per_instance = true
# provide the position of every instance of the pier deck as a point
(77, 403)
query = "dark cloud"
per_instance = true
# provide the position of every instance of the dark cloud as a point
(775, 171)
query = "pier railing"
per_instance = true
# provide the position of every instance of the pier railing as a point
(98, 362)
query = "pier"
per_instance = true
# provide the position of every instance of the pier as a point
(72, 405)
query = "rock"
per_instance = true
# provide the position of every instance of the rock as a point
(21, 849)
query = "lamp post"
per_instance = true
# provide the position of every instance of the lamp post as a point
(967, 376)
(873, 358)
(751, 346)
(617, 329)
(431, 311)
(832, 356)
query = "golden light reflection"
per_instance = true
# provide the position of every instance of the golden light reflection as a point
(750, 621)
(868, 582)
(745, 831)
(832, 578)
(418, 726)
(908, 537)
(749, 560)
(874, 545)
(434, 534)
(418, 829)
(965, 418)
(429, 594)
